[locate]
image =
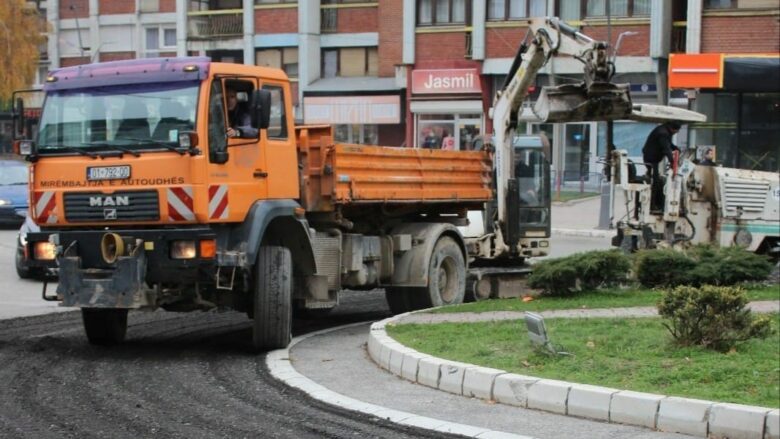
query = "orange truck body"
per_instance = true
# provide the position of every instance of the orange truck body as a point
(222, 222)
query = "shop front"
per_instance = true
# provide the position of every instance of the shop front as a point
(446, 108)
(363, 119)
(740, 94)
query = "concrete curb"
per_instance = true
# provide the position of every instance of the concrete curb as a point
(280, 366)
(659, 412)
(586, 233)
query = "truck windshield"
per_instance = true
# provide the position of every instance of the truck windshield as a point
(529, 170)
(141, 116)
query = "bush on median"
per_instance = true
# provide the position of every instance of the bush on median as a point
(711, 316)
(582, 271)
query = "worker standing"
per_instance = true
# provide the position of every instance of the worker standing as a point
(657, 147)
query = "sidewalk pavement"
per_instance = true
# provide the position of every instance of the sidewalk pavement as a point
(581, 217)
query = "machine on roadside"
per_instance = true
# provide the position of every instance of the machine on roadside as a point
(702, 205)
(144, 202)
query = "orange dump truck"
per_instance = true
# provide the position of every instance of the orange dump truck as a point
(183, 184)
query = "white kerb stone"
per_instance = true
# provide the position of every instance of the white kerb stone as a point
(549, 395)
(396, 361)
(512, 389)
(736, 421)
(373, 347)
(590, 401)
(634, 408)
(409, 365)
(451, 377)
(772, 429)
(478, 382)
(428, 372)
(683, 415)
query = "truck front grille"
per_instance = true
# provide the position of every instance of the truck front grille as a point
(118, 206)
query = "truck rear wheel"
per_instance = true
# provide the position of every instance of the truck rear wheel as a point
(272, 306)
(446, 275)
(104, 326)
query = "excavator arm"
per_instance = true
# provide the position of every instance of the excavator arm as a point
(594, 99)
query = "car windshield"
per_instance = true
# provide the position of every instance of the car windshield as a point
(10, 175)
(140, 116)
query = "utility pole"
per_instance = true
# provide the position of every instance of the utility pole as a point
(78, 29)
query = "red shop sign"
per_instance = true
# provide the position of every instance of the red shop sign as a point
(445, 81)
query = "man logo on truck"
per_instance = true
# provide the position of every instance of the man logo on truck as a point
(109, 201)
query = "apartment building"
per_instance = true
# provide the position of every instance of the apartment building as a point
(416, 72)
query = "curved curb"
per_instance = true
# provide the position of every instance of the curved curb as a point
(281, 368)
(659, 412)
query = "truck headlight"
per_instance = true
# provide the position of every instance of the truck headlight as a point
(183, 250)
(44, 251)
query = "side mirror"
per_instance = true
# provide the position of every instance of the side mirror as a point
(219, 157)
(261, 109)
(18, 117)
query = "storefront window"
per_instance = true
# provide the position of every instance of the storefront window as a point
(720, 130)
(759, 132)
(448, 131)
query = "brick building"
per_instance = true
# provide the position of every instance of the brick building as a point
(414, 72)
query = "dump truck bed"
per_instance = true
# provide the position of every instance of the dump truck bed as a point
(345, 174)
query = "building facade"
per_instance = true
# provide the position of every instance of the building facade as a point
(423, 73)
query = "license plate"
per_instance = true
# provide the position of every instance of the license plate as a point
(108, 173)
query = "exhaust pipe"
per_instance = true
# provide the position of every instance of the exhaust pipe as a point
(112, 246)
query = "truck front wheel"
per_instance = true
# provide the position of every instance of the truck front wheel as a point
(104, 326)
(272, 299)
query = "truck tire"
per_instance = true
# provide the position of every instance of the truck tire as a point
(446, 277)
(104, 326)
(272, 305)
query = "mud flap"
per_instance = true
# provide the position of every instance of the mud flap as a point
(119, 287)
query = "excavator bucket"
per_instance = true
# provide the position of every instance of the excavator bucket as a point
(578, 102)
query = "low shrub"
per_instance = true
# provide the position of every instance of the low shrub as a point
(599, 269)
(700, 265)
(710, 316)
(555, 277)
(663, 268)
(582, 271)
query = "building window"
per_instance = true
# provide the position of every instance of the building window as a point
(285, 58)
(442, 12)
(329, 20)
(741, 4)
(573, 10)
(718, 4)
(360, 134)
(350, 62)
(159, 40)
(516, 9)
(448, 131)
(265, 2)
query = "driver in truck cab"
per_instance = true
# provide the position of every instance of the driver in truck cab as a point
(239, 120)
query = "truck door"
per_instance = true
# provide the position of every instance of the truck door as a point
(283, 181)
(237, 164)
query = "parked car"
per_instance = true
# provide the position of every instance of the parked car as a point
(13, 192)
(24, 268)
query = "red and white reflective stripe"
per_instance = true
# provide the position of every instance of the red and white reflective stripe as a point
(180, 206)
(45, 204)
(218, 202)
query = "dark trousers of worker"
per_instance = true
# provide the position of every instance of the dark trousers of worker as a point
(656, 186)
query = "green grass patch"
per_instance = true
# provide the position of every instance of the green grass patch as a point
(633, 354)
(573, 195)
(608, 298)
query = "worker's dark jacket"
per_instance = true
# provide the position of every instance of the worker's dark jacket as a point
(658, 145)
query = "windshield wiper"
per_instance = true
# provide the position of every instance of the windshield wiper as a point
(167, 146)
(77, 149)
(123, 149)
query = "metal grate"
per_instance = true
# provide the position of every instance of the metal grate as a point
(745, 195)
(118, 206)
(327, 254)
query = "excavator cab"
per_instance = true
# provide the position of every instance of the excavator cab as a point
(528, 194)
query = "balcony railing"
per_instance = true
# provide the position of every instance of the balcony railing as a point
(205, 25)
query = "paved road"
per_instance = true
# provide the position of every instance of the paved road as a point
(179, 375)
